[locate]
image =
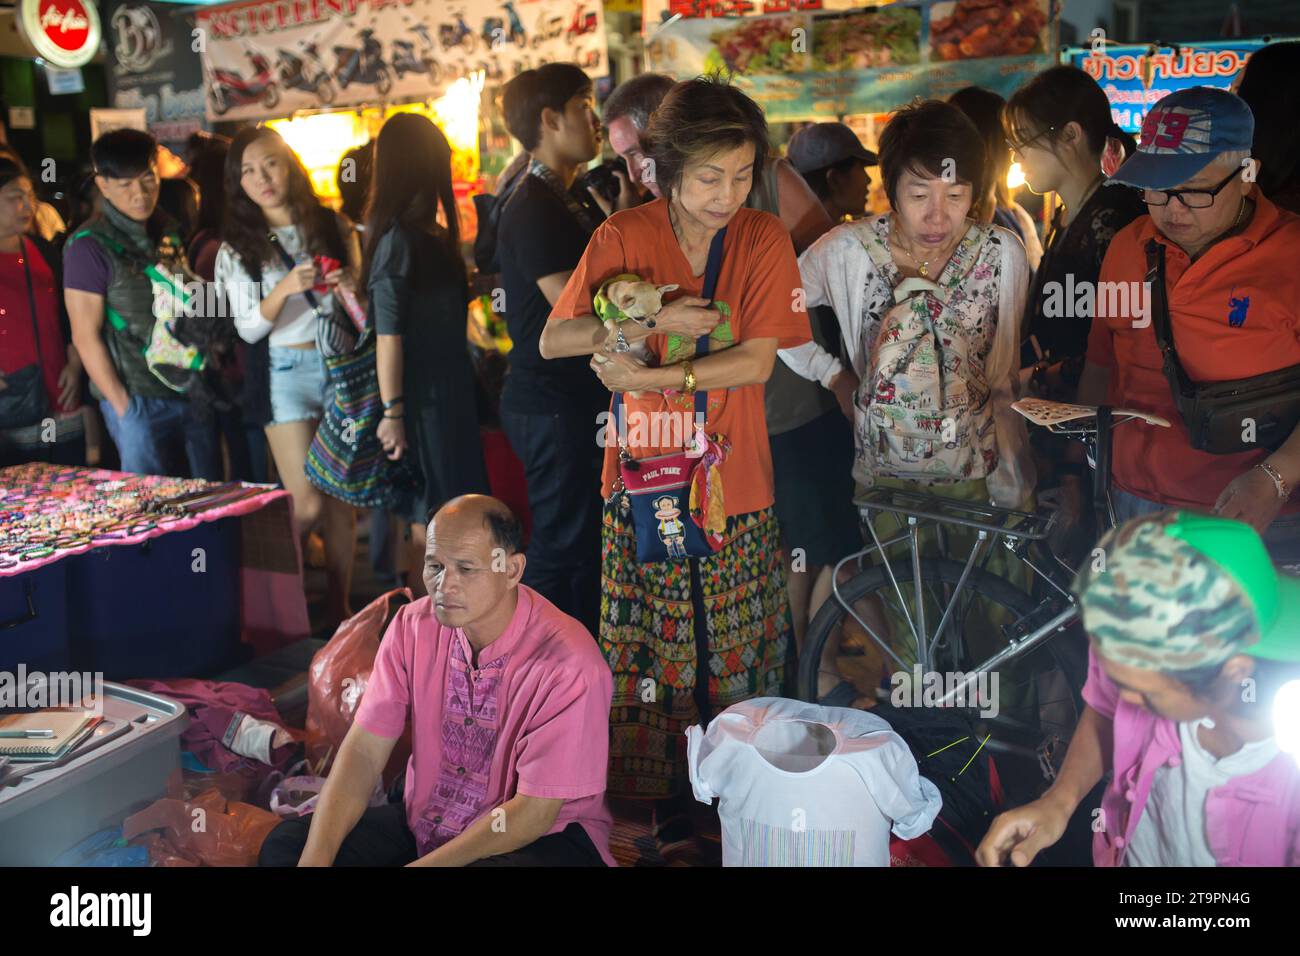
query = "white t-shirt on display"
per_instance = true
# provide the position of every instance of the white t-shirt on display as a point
(804, 785)
(1171, 830)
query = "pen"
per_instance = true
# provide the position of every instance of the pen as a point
(26, 733)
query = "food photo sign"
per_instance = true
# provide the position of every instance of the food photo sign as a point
(819, 60)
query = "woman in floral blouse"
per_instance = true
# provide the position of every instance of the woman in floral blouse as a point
(968, 281)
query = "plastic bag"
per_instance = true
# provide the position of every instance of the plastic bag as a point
(295, 797)
(208, 830)
(106, 848)
(337, 680)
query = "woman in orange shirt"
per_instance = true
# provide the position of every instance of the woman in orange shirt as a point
(724, 616)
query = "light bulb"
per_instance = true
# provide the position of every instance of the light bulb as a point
(1286, 718)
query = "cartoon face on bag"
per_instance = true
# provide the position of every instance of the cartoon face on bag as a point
(666, 509)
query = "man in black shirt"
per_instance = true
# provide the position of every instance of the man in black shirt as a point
(549, 408)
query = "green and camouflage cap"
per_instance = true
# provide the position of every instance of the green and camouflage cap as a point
(1179, 591)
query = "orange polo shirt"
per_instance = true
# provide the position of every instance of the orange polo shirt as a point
(1235, 313)
(759, 280)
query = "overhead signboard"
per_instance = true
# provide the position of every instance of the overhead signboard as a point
(64, 33)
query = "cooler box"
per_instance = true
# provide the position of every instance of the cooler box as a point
(50, 811)
(142, 611)
(34, 620)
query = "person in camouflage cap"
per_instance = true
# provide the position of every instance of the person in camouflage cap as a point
(1195, 639)
(1178, 592)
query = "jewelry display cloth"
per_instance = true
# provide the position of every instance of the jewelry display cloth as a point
(52, 512)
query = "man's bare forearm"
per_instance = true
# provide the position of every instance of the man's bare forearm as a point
(1085, 762)
(512, 826)
(99, 367)
(343, 801)
(1287, 459)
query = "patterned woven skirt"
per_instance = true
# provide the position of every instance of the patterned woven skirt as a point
(648, 633)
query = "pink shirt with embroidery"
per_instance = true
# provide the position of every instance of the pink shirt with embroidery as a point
(532, 718)
(1252, 820)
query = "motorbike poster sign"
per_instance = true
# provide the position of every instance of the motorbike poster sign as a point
(265, 58)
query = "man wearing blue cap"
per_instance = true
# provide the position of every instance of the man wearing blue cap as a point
(1231, 291)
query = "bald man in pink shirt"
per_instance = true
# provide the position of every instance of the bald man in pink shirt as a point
(508, 701)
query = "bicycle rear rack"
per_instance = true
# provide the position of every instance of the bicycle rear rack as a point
(914, 504)
(915, 508)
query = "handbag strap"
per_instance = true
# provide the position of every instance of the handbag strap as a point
(31, 303)
(711, 271)
(1179, 381)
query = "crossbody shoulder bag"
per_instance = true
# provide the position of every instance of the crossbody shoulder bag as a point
(659, 488)
(1222, 418)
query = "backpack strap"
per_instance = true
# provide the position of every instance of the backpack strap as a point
(114, 317)
(876, 248)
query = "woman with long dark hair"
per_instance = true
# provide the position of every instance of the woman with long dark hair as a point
(984, 108)
(208, 171)
(274, 228)
(1059, 127)
(419, 298)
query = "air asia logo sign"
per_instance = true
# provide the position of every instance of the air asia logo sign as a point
(64, 32)
(140, 41)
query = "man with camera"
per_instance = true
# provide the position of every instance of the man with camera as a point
(1210, 274)
(549, 408)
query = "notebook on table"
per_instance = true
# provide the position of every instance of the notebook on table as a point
(70, 727)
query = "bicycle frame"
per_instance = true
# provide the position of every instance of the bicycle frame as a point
(1013, 528)
(1016, 530)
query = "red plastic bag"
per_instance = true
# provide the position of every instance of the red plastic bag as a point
(922, 851)
(337, 680)
(206, 831)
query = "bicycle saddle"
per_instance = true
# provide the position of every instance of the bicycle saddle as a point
(1042, 412)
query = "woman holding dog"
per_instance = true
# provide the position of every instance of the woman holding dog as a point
(688, 637)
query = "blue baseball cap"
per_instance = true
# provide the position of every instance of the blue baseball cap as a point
(1183, 133)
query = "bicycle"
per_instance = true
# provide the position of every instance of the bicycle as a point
(950, 590)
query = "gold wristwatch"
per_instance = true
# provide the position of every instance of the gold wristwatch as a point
(688, 383)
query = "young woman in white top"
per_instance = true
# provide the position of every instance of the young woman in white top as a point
(277, 310)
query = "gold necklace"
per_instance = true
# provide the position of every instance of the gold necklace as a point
(922, 265)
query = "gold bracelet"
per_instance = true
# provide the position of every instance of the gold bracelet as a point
(688, 385)
(1279, 483)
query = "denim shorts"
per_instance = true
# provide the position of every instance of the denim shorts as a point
(297, 385)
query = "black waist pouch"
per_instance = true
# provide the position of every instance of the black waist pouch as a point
(1223, 418)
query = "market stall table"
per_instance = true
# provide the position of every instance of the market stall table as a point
(138, 576)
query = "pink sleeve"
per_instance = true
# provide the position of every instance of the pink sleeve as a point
(387, 698)
(1099, 692)
(564, 751)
